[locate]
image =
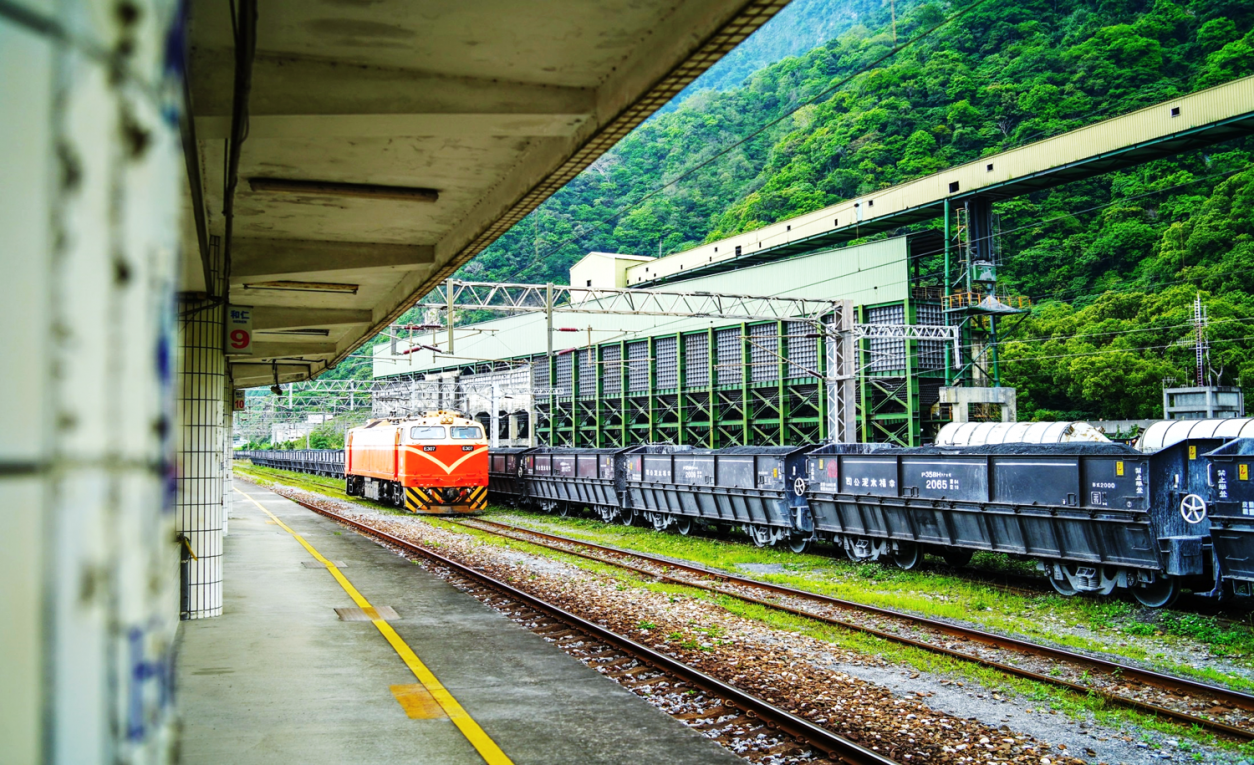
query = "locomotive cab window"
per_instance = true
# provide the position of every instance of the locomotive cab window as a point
(467, 432)
(426, 432)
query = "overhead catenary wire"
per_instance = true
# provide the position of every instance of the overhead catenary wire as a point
(1036, 225)
(934, 252)
(1119, 349)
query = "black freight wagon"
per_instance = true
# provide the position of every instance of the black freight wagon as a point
(1230, 506)
(568, 480)
(326, 462)
(506, 483)
(761, 488)
(1094, 516)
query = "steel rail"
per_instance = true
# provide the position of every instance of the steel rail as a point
(833, 745)
(1147, 677)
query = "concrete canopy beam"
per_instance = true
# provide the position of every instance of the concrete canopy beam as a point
(295, 96)
(274, 318)
(289, 349)
(494, 106)
(262, 259)
(245, 374)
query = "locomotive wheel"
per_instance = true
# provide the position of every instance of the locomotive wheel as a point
(956, 557)
(799, 544)
(1161, 594)
(907, 556)
(683, 526)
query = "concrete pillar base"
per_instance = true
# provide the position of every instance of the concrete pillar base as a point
(961, 399)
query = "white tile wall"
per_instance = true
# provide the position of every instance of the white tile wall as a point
(91, 248)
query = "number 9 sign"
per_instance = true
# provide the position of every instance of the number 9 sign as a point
(240, 339)
(239, 331)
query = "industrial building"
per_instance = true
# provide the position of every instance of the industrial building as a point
(1203, 402)
(620, 380)
(630, 380)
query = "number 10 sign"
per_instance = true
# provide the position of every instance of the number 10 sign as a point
(239, 331)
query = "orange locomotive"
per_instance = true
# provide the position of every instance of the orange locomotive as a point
(436, 464)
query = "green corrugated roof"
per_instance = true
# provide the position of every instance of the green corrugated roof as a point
(870, 273)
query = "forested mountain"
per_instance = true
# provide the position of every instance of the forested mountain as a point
(800, 27)
(1112, 263)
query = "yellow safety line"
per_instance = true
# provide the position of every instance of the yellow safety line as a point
(487, 748)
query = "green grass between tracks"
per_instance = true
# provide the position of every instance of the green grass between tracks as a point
(933, 592)
(1107, 625)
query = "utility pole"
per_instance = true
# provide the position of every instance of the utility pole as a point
(448, 317)
(495, 441)
(548, 359)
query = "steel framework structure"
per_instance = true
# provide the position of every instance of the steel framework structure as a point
(786, 372)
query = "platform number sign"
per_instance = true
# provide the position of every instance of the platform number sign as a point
(240, 402)
(239, 331)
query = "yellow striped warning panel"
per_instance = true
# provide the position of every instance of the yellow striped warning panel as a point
(483, 744)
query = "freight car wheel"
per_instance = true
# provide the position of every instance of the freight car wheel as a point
(683, 526)
(907, 556)
(761, 535)
(564, 510)
(1063, 587)
(1160, 594)
(799, 544)
(627, 516)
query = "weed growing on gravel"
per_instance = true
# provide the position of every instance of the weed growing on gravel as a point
(1046, 699)
(1087, 624)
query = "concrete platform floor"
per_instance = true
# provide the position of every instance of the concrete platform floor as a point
(280, 678)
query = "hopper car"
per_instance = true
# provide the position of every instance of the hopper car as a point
(1096, 518)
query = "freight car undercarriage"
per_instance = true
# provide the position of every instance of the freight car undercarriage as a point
(1079, 550)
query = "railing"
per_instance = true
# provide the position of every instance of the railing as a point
(972, 300)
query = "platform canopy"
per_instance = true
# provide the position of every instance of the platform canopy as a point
(389, 141)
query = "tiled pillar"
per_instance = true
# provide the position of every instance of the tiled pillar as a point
(228, 426)
(202, 450)
(89, 208)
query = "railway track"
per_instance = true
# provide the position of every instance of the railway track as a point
(744, 723)
(1147, 691)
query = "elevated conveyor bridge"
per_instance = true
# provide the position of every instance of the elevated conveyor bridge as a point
(1182, 124)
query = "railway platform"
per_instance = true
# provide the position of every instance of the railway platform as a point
(282, 676)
